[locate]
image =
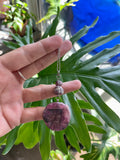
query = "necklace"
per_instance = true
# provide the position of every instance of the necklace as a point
(57, 115)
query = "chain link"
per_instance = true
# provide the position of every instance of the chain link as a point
(58, 66)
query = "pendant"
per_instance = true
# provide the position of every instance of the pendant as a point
(57, 115)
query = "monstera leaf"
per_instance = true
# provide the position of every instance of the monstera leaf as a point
(92, 76)
(108, 146)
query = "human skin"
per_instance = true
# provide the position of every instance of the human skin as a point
(29, 60)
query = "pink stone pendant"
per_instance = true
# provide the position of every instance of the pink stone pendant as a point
(56, 116)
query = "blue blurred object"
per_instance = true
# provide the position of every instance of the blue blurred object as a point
(86, 11)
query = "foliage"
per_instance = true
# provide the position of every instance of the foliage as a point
(16, 15)
(54, 5)
(58, 155)
(108, 145)
(21, 41)
(92, 76)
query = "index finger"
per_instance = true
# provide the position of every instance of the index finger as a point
(27, 54)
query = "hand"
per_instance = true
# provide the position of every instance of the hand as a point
(29, 60)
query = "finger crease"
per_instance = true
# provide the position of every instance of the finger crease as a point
(10, 126)
(42, 47)
(39, 65)
(26, 56)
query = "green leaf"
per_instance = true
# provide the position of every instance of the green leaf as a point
(51, 29)
(11, 140)
(68, 3)
(102, 150)
(73, 60)
(52, 10)
(16, 26)
(10, 24)
(103, 110)
(3, 139)
(77, 121)
(99, 58)
(60, 141)
(82, 32)
(84, 105)
(45, 140)
(29, 33)
(11, 45)
(21, 41)
(56, 155)
(45, 35)
(27, 136)
(89, 117)
(54, 24)
(95, 153)
(31, 82)
(111, 79)
(35, 125)
(17, 39)
(72, 137)
(96, 129)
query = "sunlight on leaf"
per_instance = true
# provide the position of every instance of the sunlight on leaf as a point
(52, 10)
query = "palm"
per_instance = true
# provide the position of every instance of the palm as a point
(11, 103)
(29, 60)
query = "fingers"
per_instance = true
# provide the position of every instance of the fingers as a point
(26, 55)
(45, 61)
(32, 114)
(46, 91)
(42, 92)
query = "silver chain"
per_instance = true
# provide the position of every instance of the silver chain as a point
(58, 66)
